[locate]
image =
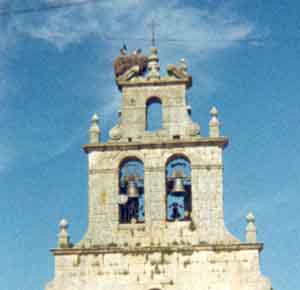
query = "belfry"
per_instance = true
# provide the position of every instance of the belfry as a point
(155, 197)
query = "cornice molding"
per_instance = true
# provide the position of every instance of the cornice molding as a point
(155, 82)
(122, 146)
(153, 249)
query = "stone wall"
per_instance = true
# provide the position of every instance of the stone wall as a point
(174, 268)
(176, 120)
(207, 194)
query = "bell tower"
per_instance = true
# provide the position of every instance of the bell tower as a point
(155, 198)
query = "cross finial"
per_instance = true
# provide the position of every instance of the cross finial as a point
(154, 24)
(153, 64)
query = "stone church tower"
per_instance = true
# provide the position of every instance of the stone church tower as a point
(155, 216)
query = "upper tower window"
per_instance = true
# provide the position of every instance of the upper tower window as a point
(178, 188)
(153, 114)
(131, 191)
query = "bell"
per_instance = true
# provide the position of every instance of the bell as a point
(132, 190)
(178, 187)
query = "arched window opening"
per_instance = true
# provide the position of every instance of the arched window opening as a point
(131, 192)
(153, 114)
(178, 189)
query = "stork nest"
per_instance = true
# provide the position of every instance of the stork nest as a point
(124, 62)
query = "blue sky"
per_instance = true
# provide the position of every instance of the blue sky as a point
(56, 71)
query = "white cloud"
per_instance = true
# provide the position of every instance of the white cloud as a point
(202, 29)
(67, 26)
(190, 31)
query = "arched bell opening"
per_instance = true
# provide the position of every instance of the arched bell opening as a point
(153, 114)
(131, 191)
(178, 189)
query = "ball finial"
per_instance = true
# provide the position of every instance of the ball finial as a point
(95, 132)
(250, 217)
(63, 236)
(95, 118)
(250, 228)
(63, 224)
(214, 112)
(214, 124)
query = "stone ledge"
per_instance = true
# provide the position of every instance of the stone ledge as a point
(169, 249)
(155, 82)
(219, 141)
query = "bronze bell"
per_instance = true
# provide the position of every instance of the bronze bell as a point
(178, 186)
(132, 190)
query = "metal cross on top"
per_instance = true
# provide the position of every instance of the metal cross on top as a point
(153, 26)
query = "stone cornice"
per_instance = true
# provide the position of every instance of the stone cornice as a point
(155, 82)
(153, 249)
(122, 146)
